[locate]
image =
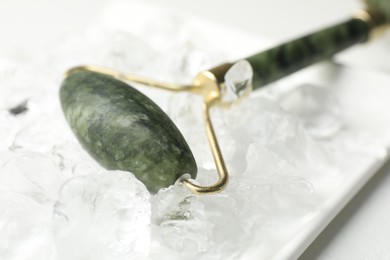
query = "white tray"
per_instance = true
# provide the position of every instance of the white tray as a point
(363, 96)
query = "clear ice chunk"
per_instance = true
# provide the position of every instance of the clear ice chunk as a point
(25, 228)
(191, 226)
(102, 216)
(317, 107)
(32, 174)
(238, 81)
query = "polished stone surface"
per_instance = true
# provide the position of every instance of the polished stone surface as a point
(123, 129)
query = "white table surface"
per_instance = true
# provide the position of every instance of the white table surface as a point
(362, 229)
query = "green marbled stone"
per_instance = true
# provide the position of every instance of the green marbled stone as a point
(282, 60)
(382, 6)
(124, 130)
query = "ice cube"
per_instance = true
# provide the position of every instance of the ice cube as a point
(102, 216)
(317, 107)
(191, 226)
(238, 81)
(25, 228)
(33, 174)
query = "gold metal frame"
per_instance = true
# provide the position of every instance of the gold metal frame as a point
(209, 84)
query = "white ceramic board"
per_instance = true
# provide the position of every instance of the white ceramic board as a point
(363, 97)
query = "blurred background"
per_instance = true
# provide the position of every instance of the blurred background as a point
(31, 26)
(28, 28)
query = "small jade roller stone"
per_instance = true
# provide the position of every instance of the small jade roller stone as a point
(124, 130)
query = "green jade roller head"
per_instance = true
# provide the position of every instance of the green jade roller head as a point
(123, 129)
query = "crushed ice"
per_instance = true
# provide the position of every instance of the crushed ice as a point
(57, 203)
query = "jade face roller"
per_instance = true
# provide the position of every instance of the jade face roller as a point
(123, 129)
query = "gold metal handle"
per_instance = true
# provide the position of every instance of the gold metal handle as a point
(133, 78)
